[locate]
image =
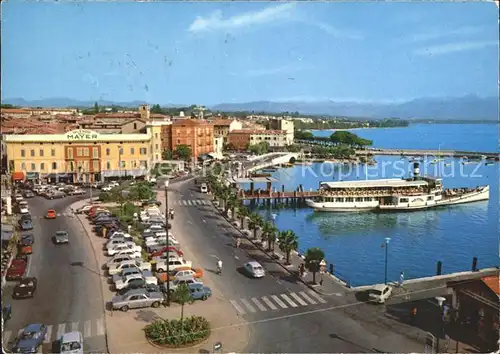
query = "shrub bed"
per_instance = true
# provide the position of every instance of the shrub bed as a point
(174, 333)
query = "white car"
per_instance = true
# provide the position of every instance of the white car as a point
(380, 293)
(162, 240)
(146, 276)
(106, 188)
(118, 240)
(116, 268)
(254, 269)
(126, 247)
(121, 236)
(119, 258)
(71, 343)
(84, 209)
(204, 188)
(174, 263)
(77, 191)
(125, 273)
(24, 210)
(18, 197)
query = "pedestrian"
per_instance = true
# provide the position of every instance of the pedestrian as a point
(401, 279)
(413, 314)
(321, 280)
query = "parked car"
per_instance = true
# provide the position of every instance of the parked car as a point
(84, 209)
(60, 237)
(161, 250)
(140, 284)
(132, 263)
(174, 284)
(126, 273)
(28, 194)
(30, 339)
(199, 291)
(25, 288)
(23, 210)
(180, 273)
(137, 298)
(118, 240)
(24, 249)
(51, 214)
(126, 246)
(17, 269)
(26, 225)
(26, 239)
(254, 269)
(117, 259)
(380, 293)
(146, 276)
(71, 343)
(24, 217)
(56, 195)
(173, 263)
(77, 191)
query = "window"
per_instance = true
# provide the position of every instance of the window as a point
(132, 151)
(79, 151)
(368, 199)
(95, 164)
(403, 200)
(95, 152)
(144, 164)
(71, 166)
(23, 153)
(107, 152)
(156, 146)
(23, 166)
(156, 135)
(54, 165)
(120, 150)
(41, 152)
(42, 166)
(123, 164)
(430, 197)
(32, 153)
(52, 152)
(108, 165)
(135, 126)
(86, 152)
(349, 200)
(33, 167)
(178, 141)
(359, 199)
(144, 151)
(70, 153)
(134, 164)
(156, 157)
(339, 200)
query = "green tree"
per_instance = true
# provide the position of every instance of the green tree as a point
(141, 191)
(182, 295)
(243, 213)
(269, 234)
(255, 222)
(232, 203)
(260, 148)
(167, 155)
(288, 242)
(183, 152)
(156, 109)
(96, 108)
(313, 257)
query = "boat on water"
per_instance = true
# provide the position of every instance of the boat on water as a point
(406, 194)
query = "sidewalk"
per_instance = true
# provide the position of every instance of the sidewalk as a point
(124, 330)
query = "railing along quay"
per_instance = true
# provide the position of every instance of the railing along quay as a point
(277, 195)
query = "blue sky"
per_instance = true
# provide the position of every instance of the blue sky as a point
(208, 53)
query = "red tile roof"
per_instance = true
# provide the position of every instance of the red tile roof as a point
(223, 122)
(492, 282)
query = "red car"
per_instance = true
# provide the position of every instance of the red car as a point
(17, 269)
(162, 251)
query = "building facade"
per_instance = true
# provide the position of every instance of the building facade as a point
(222, 127)
(197, 134)
(242, 139)
(283, 124)
(79, 155)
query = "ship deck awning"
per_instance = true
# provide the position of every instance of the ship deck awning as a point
(252, 180)
(378, 183)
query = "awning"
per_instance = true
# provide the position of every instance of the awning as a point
(17, 176)
(32, 175)
(59, 175)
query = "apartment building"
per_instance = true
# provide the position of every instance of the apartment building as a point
(222, 127)
(242, 139)
(283, 124)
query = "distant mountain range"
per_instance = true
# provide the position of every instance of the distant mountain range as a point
(469, 107)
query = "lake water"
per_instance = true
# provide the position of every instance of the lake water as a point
(454, 235)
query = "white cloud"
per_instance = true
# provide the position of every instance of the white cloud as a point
(440, 33)
(215, 21)
(335, 32)
(455, 47)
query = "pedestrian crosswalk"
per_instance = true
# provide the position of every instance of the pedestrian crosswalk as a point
(277, 302)
(192, 202)
(89, 328)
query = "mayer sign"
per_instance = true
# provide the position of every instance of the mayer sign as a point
(82, 134)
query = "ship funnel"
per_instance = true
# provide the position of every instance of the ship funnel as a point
(416, 169)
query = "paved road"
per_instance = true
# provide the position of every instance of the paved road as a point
(299, 321)
(69, 295)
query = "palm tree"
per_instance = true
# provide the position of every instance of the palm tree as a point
(313, 257)
(288, 242)
(255, 222)
(232, 203)
(182, 295)
(243, 213)
(269, 234)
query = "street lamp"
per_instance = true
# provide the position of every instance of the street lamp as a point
(440, 301)
(168, 244)
(120, 152)
(387, 239)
